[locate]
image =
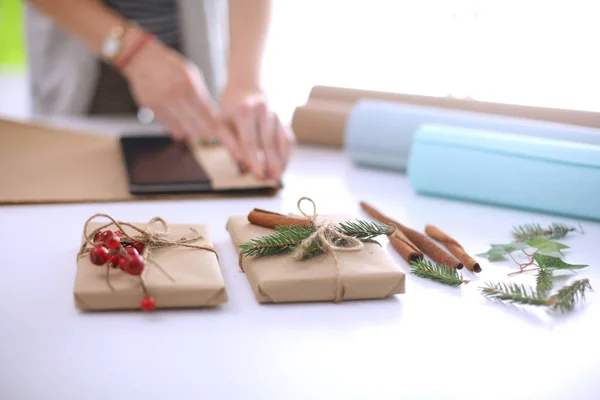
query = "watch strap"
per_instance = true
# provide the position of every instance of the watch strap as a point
(113, 43)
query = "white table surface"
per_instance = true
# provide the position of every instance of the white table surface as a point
(432, 342)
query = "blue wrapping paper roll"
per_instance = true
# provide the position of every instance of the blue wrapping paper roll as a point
(546, 175)
(379, 134)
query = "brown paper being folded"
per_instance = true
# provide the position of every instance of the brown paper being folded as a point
(41, 164)
(196, 278)
(368, 274)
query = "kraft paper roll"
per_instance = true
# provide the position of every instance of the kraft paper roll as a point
(563, 116)
(380, 134)
(328, 108)
(501, 168)
(321, 123)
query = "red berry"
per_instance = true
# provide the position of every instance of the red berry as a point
(105, 235)
(113, 260)
(119, 233)
(99, 255)
(134, 265)
(139, 247)
(98, 237)
(113, 242)
(122, 261)
(148, 304)
(131, 252)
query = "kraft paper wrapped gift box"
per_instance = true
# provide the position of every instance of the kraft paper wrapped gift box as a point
(191, 277)
(367, 274)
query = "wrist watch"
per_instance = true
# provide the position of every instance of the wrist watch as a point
(111, 46)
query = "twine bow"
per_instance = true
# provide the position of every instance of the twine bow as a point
(150, 237)
(329, 240)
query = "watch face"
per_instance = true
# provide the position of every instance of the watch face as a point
(110, 47)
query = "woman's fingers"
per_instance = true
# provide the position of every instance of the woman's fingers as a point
(245, 124)
(267, 141)
(284, 140)
(229, 138)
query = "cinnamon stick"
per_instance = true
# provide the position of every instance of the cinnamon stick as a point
(270, 219)
(425, 244)
(454, 247)
(405, 247)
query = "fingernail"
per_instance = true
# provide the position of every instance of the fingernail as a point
(242, 167)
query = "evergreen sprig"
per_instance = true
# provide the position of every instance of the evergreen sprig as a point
(364, 230)
(556, 230)
(287, 238)
(567, 297)
(546, 258)
(436, 272)
(514, 293)
(283, 240)
(543, 281)
(564, 300)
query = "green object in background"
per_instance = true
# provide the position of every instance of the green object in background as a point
(12, 52)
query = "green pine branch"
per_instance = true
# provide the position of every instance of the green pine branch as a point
(364, 230)
(556, 230)
(284, 239)
(514, 293)
(436, 272)
(564, 300)
(287, 238)
(544, 281)
(567, 297)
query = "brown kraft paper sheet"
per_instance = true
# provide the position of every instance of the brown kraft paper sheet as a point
(327, 103)
(196, 278)
(41, 164)
(368, 274)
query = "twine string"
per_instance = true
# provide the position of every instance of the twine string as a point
(329, 240)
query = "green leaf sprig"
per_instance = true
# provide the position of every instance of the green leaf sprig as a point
(544, 256)
(498, 252)
(543, 253)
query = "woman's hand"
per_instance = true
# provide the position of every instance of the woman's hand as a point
(172, 87)
(253, 133)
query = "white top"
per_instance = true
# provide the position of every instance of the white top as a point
(433, 342)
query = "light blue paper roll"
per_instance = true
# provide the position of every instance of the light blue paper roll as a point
(546, 175)
(379, 134)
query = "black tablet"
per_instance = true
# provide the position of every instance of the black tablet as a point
(159, 165)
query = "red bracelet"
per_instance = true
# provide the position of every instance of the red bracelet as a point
(121, 62)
